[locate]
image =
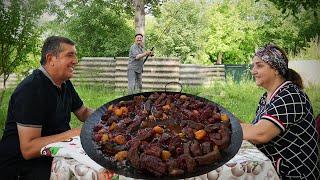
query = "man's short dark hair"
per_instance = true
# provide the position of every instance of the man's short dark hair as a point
(138, 34)
(53, 45)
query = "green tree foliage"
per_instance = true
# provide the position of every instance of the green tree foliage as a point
(20, 34)
(97, 29)
(231, 31)
(239, 27)
(178, 31)
(295, 7)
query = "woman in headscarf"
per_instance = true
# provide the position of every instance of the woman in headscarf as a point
(284, 128)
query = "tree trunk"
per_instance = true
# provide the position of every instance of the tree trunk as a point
(139, 17)
(2, 91)
(219, 59)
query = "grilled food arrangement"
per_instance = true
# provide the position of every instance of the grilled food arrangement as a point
(162, 134)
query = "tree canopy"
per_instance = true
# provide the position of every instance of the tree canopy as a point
(295, 7)
(20, 32)
(229, 30)
(97, 29)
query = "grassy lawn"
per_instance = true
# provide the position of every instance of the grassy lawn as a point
(239, 98)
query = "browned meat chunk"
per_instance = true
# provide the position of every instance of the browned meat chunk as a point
(206, 147)
(195, 148)
(153, 150)
(210, 157)
(222, 138)
(144, 134)
(187, 162)
(133, 154)
(153, 164)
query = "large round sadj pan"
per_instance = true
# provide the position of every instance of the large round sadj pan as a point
(92, 149)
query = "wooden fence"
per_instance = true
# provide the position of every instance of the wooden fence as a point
(158, 72)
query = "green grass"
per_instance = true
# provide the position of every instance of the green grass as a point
(240, 98)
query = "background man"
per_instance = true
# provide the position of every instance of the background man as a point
(135, 64)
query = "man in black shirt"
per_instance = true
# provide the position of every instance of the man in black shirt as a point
(39, 113)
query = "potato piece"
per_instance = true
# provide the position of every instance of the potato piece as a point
(165, 155)
(105, 138)
(224, 117)
(200, 134)
(110, 107)
(183, 97)
(121, 155)
(182, 135)
(158, 129)
(124, 110)
(151, 118)
(166, 107)
(112, 126)
(118, 112)
(120, 139)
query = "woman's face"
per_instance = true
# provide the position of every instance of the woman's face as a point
(263, 73)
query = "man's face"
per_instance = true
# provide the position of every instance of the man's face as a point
(139, 40)
(64, 63)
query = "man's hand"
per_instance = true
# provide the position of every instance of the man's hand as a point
(31, 141)
(83, 113)
(149, 53)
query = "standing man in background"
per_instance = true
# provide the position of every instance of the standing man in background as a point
(135, 64)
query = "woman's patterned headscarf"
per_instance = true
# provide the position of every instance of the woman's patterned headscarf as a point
(272, 55)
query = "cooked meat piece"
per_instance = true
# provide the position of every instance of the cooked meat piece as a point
(212, 127)
(97, 127)
(187, 162)
(153, 164)
(186, 112)
(134, 125)
(165, 137)
(111, 148)
(185, 104)
(174, 143)
(169, 99)
(206, 147)
(133, 154)
(112, 119)
(188, 132)
(186, 149)
(205, 114)
(106, 115)
(196, 104)
(195, 148)
(159, 100)
(144, 134)
(153, 150)
(147, 105)
(225, 137)
(154, 96)
(195, 125)
(127, 121)
(209, 158)
(172, 164)
(222, 137)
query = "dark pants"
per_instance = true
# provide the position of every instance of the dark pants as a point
(134, 82)
(35, 169)
(13, 166)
